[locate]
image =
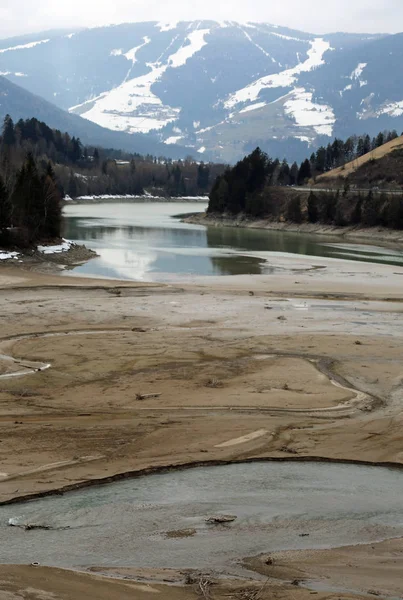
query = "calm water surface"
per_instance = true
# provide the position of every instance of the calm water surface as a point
(144, 241)
(276, 504)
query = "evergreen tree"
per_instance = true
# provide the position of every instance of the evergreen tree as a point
(294, 174)
(304, 172)
(367, 144)
(284, 175)
(320, 160)
(360, 147)
(203, 176)
(380, 140)
(8, 133)
(28, 201)
(219, 196)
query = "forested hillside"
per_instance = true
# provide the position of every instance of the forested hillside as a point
(40, 165)
(261, 187)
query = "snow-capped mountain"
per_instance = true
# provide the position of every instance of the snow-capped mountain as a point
(216, 88)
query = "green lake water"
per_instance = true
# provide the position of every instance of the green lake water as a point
(145, 242)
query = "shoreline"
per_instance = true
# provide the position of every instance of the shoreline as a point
(105, 199)
(49, 259)
(381, 234)
(162, 469)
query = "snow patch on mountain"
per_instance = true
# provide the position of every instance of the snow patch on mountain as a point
(356, 74)
(253, 107)
(370, 110)
(196, 43)
(285, 78)
(131, 55)
(167, 26)
(346, 89)
(174, 139)
(393, 109)
(307, 113)
(23, 46)
(7, 73)
(132, 106)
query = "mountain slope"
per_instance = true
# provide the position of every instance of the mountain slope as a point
(362, 86)
(21, 104)
(219, 88)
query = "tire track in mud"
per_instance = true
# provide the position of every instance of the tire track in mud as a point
(361, 401)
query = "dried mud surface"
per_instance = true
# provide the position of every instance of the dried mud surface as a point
(141, 376)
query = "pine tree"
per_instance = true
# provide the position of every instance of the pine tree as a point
(294, 174)
(380, 139)
(203, 176)
(320, 160)
(28, 201)
(284, 173)
(8, 133)
(304, 172)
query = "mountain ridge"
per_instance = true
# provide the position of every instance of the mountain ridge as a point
(218, 88)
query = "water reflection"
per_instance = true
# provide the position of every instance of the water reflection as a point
(144, 242)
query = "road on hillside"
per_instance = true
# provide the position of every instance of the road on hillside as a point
(364, 190)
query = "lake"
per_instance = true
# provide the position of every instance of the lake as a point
(145, 242)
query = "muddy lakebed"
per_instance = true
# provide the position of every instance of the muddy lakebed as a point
(159, 520)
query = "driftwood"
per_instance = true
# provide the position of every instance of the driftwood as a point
(31, 526)
(252, 593)
(202, 584)
(146, 396)
(216, 519)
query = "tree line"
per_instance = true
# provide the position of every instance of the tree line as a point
(87, 170)
(39, 166)
(30, 198)
(281, 173)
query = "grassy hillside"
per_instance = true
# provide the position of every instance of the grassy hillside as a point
(380, 166)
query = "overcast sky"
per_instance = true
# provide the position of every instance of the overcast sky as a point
(316, 16)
